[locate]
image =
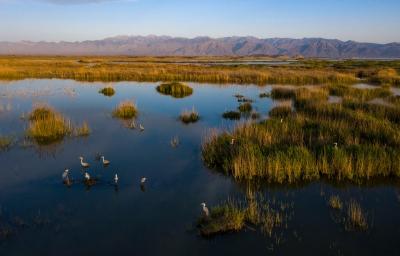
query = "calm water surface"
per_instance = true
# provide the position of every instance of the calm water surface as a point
(46, 218)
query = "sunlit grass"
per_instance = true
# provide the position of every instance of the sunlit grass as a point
(189, 116)
(126, 110)
(83, 131)
(335, 202)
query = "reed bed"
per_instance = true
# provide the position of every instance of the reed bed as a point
(125, 110)
(83, 131)
(104, 69)
(340, 141)
(175, 89)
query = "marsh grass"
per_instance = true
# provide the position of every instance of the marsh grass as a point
(302, 147)
(234, 216)
(264, 95)
(245, 107)
(107, 91)
(281, 112)
(125, 110)
(281, 93)
(83, 131)
(175, 89)
(6, 142)
(189, 116)
(232, 115)
(47, 125)
(356, 217)
(335, 203)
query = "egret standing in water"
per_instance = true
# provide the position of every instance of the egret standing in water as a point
(105, 162)
(65, 174)
(205, 210)
(116, 179)
(141, 127)
(87, 176)
(83, 164)
(143, 183)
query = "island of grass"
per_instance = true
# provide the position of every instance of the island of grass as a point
(353, 140)
(245, 107)
(189, 116)
(231, 115)
(107, 91)
(175, 89)
(125, 110)
(46, 125)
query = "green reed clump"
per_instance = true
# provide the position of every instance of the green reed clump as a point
(232, 115)
(245, 107)
(338, 141)
(126, 110)
(189, 116)
(107, 91)
(6, 142)
(175, 89)
(47, 125)
(280, 93)
(281, 112)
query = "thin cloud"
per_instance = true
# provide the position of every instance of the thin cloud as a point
(69, 2)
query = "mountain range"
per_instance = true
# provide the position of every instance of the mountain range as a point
(206, 46)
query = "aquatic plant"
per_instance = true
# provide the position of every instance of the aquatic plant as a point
(107, 91)
(245, 107)
(356, 218)
(335, 202)
(47, 125)
(83, 130)
(340, 141)
(126, 110)
(232, 115)
(189, 116)
(175, 89)
(6, 142)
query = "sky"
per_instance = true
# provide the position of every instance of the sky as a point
(76, 20)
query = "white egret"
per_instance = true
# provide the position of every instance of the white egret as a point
(205, 210)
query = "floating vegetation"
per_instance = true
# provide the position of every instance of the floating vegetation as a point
(232, 115)
(245, 107)
(189, 116)
(6, 142)
(175, 89)
(83, 131)
(47, 125)
(338, 141)
(107, 91)
(356, 219)
(125, 110)
(335, 202)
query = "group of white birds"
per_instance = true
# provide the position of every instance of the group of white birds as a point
(88, 179)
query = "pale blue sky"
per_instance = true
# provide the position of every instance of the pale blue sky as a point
(73, 20)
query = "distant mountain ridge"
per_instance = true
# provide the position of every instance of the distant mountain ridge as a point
(203, 46)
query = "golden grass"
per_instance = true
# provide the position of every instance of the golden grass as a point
(126, 110)
(161, 69)
(83, 131)
(356, 217)
(335, 202)
(107, 91)
(47, 125)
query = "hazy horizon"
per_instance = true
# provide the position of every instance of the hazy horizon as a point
(80, 20)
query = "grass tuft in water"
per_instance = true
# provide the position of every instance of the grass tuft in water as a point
(356, 217)
(245, 107)
(335, 202)
(175, 89)
(6, 142)
(125, 110)
(232, 115)
(83, 131)
(107, 91)
(189, 116)
(47, 125)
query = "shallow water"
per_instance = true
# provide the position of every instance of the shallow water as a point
(47, 218)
